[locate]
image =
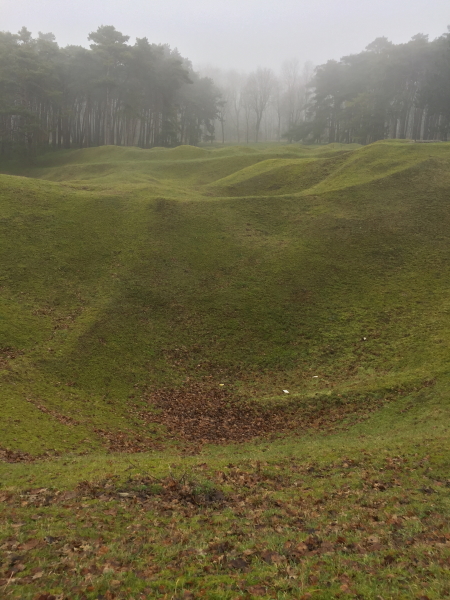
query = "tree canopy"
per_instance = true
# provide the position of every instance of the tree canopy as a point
(113, 93)
(386, 91)
(148, 95)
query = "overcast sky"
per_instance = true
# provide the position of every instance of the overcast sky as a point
(241, 34)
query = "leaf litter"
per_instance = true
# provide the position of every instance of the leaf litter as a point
(253, 529)
(201, 412)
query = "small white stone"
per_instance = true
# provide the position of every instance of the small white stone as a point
(286, 391)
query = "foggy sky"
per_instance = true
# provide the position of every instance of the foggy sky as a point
(240, 34)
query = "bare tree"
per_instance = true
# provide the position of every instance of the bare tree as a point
(234, 85)
(260, 105)
(258, 90)
(290, 73)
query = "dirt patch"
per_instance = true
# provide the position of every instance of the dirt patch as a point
(202, 413)
(127, 441)
(198, 413)
(13, 456)
(7, 354)
(63, 419)
(183, 490)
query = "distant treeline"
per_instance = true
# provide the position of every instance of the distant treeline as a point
(114, 93)
(387, 91)
(149, 95)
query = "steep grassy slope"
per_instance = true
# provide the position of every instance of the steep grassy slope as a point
(126, 270)
(161, 300)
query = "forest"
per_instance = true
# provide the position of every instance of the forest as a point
(142, 95)
(388, 91)
(148, 95)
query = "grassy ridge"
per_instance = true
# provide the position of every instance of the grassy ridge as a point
(324, 271)
(126, 285)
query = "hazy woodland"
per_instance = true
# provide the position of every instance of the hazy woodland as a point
(148, 95)
(224, 323)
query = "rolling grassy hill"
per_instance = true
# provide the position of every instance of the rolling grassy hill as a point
(133, 281)
(125, 269)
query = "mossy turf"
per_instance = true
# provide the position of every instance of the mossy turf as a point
(363, 513)
(323, 271)
(148, 278)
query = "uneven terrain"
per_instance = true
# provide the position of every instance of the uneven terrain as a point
(156, 306)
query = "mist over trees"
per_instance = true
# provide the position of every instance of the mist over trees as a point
(149, 95)
(387, 91)
(114, 93)
(261, 105)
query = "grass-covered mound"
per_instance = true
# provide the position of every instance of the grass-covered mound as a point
(114, 290)
(160, 301)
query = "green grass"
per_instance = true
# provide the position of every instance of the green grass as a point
(361, 513)
(321, 270)
(128, 285)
